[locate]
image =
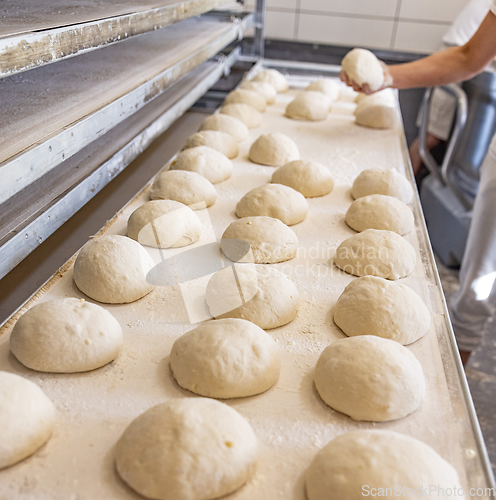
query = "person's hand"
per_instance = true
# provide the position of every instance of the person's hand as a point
(364, 88)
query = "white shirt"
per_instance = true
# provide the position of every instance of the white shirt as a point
(468, 21)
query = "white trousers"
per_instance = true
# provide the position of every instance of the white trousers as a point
(474, 306)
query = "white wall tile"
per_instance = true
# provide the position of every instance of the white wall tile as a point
(281, 4)
(279, 25)
(360, 7)
(345, 31)
(419, 37)
(431, 10)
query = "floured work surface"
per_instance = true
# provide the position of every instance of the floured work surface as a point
(290, 420)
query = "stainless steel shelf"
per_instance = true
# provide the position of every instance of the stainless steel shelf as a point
(51, 113)
(34, 33)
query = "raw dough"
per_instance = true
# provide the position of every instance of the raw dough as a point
(388, 182)
(226, 123)
(310, 105)
(311, 179)
(274, 77)
(113, 269)
(370, 378)
(27, 418)
(362, 66)
(378, 459)
(384, 96)
(260, 240)
(215, 139)
(378, 211)
(66, 336)
(376, 306)
(226, 358)
(246, 96)
(187, 449)
(189, 188)
(327, 86)
(375, 115)
(269, 298)
(273, 150)
(264, 88)
(376, 253)
(244, 112)
(164, 224)
(274, 200)
(205, 161)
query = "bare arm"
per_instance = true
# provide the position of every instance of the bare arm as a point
(451, 65)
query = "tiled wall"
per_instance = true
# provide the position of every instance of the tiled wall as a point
(406, 25)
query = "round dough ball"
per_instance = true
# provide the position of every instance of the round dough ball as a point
(226, 123)
(245, 96)
(372, 115)
(274, 200)
(244, 112)
(273, 150)
(164, 224)
(215, 139)
(226, 358)
(274, 77)
(377, 459)
(66, 336)
(370, 378)
(327, 86)
(310, 105)
(378, 211)
(264, 88)
(27, 418)
(311, 179)
(388, 182)
(205, 161)
(260, 240)
(376, 253)
(270, 299)
(362, 66)
(113, 269)
(187, 449)
(376, 306)
(185, 187)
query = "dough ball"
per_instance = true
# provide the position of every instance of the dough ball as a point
(205, 161)
(164, 224)
(376, 253)
(311, 179)
(246, 96)
(225, 123)
(385, 96)
(274, 77)
(274, 150)
(187, 449)
(377, 459)
(226, 358)
(381, 116)
(327, 86)
(269, 298)
(376, 306)
(260, 240)
(378, 211)
(370, 378)
(264, 88)
(27, 418)
(185, 187)
(388, 182)
(312, 106)
(113, 269)
(215, 139)
(274, 200)
(66, 336)
(244, 112)
(362, 66)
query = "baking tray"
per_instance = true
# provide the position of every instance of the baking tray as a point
(290, 420)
